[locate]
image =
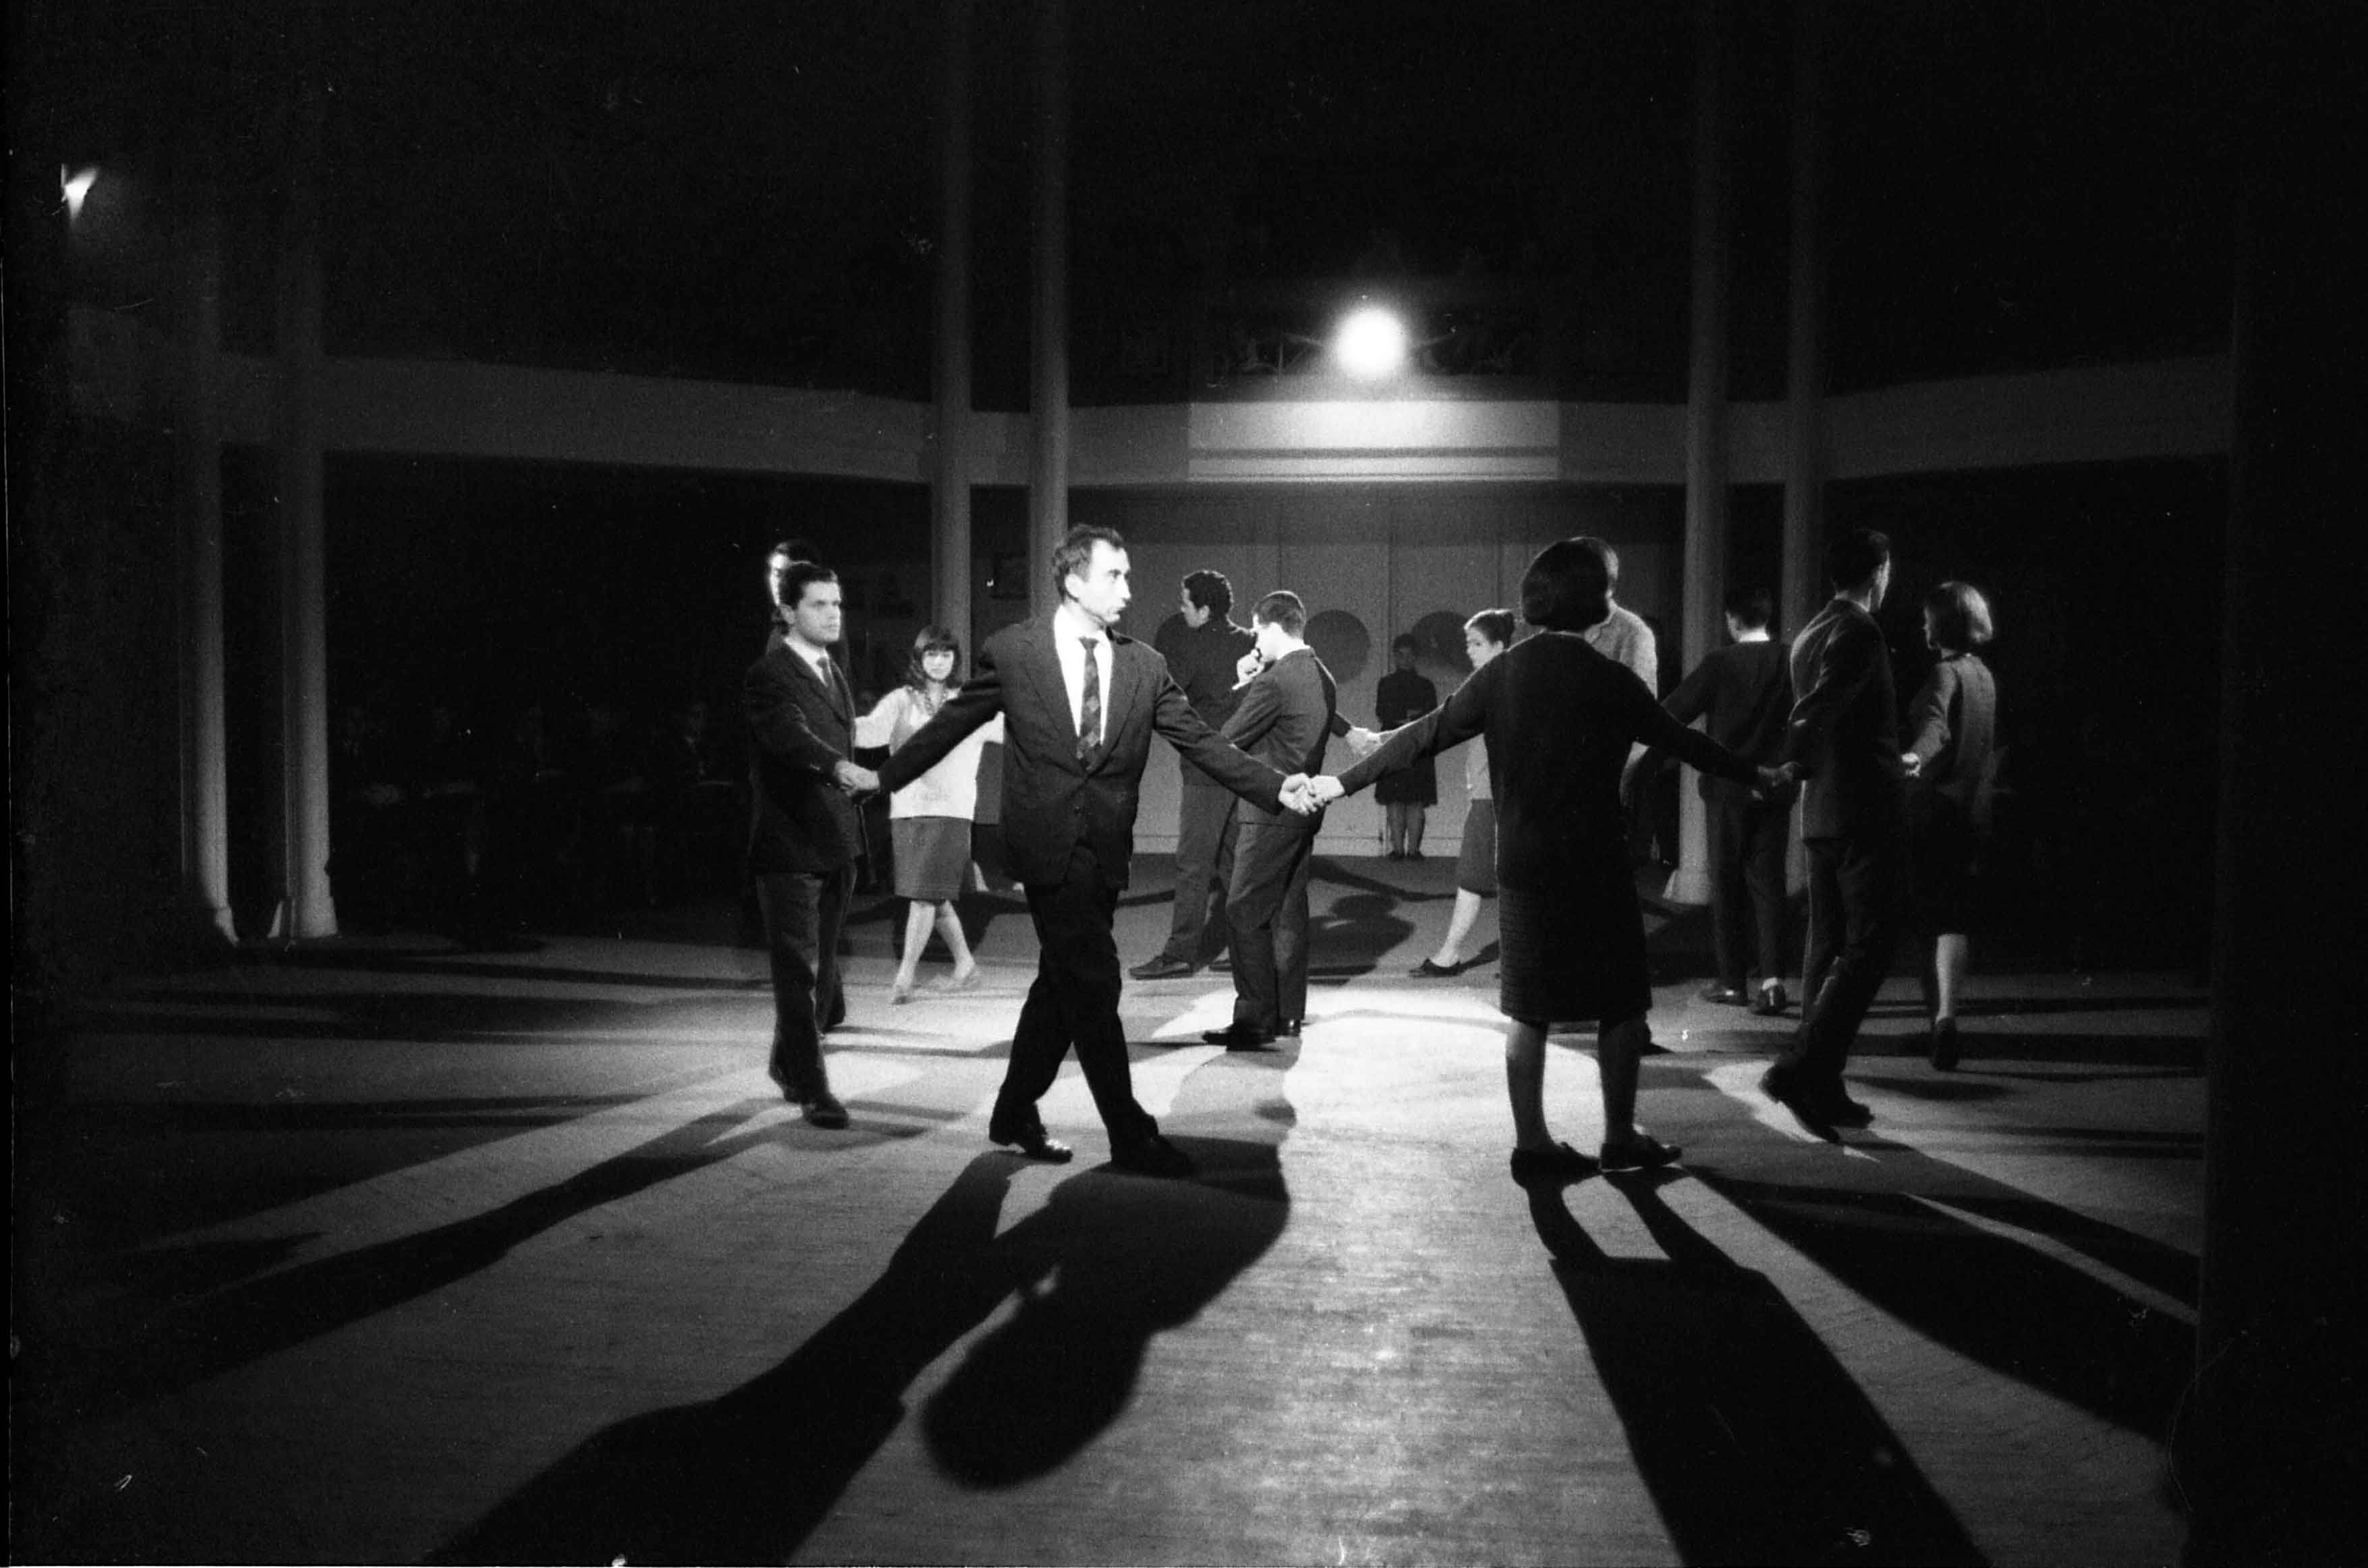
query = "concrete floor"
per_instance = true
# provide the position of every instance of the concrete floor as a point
(389, 1251)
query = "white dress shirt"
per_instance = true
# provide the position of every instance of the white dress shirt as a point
(1069, 624)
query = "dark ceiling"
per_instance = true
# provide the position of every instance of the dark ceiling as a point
(747, 191)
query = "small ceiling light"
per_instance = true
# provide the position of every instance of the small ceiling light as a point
(1371, 343)
(76, 185)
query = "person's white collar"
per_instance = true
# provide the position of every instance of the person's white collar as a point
(1757, 634)
(1071, 622)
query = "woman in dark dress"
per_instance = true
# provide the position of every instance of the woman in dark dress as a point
(1408, 794)
(1952, 766)
(1558, 718)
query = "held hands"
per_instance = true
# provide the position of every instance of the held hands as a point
(1774, 783)
(1911, 764)
(853, 780)
(1306, 796)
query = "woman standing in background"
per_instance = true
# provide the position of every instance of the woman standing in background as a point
(1952, 766)
(1405, 695)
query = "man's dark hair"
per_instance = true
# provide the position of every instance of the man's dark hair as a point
(1208, 590)
(802, 575)
(1076, 552)
(795, 549)
(1567, 587)
(1750, 606)
(1408, 640)
(1495, 625)
(1854, 557)
(1282, 607)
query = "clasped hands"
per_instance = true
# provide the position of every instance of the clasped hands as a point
(854, 780)
(1307, 796)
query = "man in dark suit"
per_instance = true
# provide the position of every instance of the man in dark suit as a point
(1744, 694)
(1843, 737)
(806, 831)
(1285, 717)
(1079, 703)
(1201, 656)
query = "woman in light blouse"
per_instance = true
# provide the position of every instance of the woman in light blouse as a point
(929, 820)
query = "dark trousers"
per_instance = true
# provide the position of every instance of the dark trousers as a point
(1266, 919)
(1204, 865)
(804, 912)
(1074, 1001)
(1746, 890)
(1854, 890)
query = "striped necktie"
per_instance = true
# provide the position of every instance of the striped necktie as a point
(1089, 712)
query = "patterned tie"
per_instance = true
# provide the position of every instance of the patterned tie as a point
(1089, 713)
(829, 678)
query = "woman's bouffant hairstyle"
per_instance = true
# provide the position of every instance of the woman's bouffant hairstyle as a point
(1961, 617)
(1567, 587)
(932, 640)
(1496, 625)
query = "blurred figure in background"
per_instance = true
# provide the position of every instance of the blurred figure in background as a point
(1486, 635)
(1408, 794)
(1952, 766)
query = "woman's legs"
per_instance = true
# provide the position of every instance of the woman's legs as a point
(1459, 929)
(917, 937)
(1525, 1084)
(1414, 830)
(1951, 956)
(1619, 1046)
(1393, 829)
(950, 928)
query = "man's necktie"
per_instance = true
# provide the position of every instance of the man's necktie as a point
(1089, 712)
(829, 678)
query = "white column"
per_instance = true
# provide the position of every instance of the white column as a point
(307, 911)
(198, 507)
(949, 531)
(1048, 397)
(1705, 541)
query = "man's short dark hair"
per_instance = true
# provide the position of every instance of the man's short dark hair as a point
(1208, 590)
(1749, 607)
(1568, 586)
(1075, 552)
(1408, 640)
(1961, 617)
(1284, 608)
(1854, 557)
(1603, 547)
(1495, 625)
(795, 549)
(802, 575)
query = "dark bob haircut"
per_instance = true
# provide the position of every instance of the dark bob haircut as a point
(932, 640)
(1961, 617)
(1567, 587)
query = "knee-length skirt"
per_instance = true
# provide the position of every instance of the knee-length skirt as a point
(1574, 952)
(932, 857)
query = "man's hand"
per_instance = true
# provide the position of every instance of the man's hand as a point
(1246, 668)
(853, 780)
(1910, 764)
(1774, 783)
(1295, 797)
(1324, 790)
(1362, 742)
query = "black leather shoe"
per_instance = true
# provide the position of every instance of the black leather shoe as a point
(823, 1109)
(1290, 1029)
(1786, 1090)
(1944, 1045)
(1768, 1001)
(1843, 1111)
(1221, 964)
(1152, 1156)
(1161, 968)
(1426, 969)
(1641, 1152)
(1031, 1143)
(1725, 995)
(1239, 1037)
(1549, 1166)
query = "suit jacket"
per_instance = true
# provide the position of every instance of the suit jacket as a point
(1285, 719)
(1843, 736)
(800, 819)
(1747, 691)
(1051, 801)
(1202, 662)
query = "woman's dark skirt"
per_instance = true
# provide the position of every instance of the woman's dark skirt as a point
(1475, 863)
(1944, 854)
(1576, 952)
(932, 857)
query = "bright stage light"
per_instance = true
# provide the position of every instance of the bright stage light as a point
(75, 183)
(1372, 343)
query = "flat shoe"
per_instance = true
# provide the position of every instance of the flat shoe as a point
(1032, 1144)
(1426, 969)
(1562, 1163)
(962, 981)
(1725, 995)
(1639, 1153)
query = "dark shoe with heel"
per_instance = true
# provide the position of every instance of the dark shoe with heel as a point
(1781, 1084)
(1536, 1167)
(1641, 1152)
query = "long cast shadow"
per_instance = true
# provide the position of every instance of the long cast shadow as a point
(1108, 1263)
(1755, 1442)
